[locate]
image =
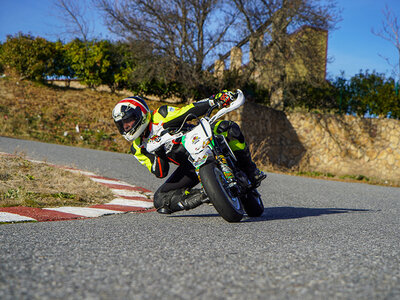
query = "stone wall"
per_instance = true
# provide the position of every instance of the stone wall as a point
(341, 145)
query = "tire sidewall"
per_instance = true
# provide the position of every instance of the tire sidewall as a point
(229, 209)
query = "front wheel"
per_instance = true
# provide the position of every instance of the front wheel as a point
(217, 189)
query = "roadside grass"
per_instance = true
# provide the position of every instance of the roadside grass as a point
(32, 184)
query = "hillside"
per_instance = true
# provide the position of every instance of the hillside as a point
(78, 117)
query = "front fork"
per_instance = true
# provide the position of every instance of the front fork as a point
(222, 162)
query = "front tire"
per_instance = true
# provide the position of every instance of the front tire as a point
(216, 187)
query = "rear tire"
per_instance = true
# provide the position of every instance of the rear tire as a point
(215, 185)
(253, 204)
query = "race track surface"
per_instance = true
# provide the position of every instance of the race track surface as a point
(316, 239)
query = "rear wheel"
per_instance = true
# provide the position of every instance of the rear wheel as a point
(217, 189)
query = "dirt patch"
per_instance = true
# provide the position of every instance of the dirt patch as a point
(27, 183)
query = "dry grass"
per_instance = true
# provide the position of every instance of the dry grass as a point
(26, 183)
(60, 115)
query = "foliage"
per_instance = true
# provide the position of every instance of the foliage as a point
(30, 57)
(364, 94)
(373, 94)
(121, 65)
(311, 96)
(187, 36)
(90, 61)
(63, 64)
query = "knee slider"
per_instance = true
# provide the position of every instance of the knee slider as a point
(223, 126)
(168, 200)
(234, 133)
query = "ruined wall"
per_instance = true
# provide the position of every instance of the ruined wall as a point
(341, 145)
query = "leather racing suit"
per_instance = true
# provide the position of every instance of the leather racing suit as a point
(184, 178)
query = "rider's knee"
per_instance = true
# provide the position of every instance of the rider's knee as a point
(232, 129)
(167, 202)
(158, 199)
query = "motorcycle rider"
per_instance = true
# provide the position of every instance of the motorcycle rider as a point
(138, 124)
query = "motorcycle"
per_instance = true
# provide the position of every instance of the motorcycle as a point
(226, 186)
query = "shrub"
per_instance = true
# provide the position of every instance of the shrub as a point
(28, 57)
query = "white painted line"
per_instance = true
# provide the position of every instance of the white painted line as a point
(103, 180)
(37, 161)
(85, 211)
(81, 172)
(135, 203)
(110, 181)
(9, 217)
(126, 193)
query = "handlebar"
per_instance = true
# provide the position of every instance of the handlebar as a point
(234, 105)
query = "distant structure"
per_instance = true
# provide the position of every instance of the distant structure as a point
(303, 58)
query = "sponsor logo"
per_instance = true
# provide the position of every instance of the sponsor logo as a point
(195, 139)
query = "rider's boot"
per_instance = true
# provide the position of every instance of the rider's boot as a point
(192, 199)
(246, 164)
(181, 199)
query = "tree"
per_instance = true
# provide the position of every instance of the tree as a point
(73, 13)
(390, 32)
(62, 64)
(27, 56)
(90, 61)
(275, 37)
(180, 34)
(188, 35)
(122, 64)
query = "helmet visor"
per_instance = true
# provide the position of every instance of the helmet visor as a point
(130, 122)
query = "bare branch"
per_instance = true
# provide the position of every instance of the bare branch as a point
(73, 12)
(390, 31)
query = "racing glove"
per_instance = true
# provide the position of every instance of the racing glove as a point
(223, 99)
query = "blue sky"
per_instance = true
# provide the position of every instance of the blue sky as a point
(351, 47)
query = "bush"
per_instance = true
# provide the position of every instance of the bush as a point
(365, 94)
(372, 94)
(310, 97)
(28, 57)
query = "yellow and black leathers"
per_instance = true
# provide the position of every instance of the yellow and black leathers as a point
(184, 177)
(170, 117)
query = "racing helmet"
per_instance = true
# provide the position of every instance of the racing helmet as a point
(131, 110)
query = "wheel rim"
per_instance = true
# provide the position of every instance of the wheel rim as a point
(234, 201)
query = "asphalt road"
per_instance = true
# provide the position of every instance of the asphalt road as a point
(316, 239)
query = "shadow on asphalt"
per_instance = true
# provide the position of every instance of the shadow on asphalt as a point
(287, 212)
(283, 213)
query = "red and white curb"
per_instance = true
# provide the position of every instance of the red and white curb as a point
(128, 198)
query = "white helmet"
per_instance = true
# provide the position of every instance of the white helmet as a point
(128, 110)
